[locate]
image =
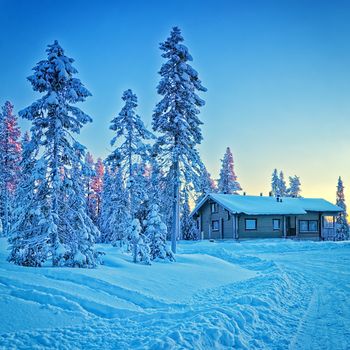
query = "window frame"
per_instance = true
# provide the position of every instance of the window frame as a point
(212, 225)
(308, 225)
(250, 229)
(279, 224)
(215, 206)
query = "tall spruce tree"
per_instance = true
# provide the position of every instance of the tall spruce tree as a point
(342, 226)
(63, 223)
(176, 119)
(132, 149)
(228, 179)
(10, 157)
(130, 139)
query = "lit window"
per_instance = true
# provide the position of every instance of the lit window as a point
(276, 223)
(250, 224)
(214, 207)
(328, 221)
(215, 225)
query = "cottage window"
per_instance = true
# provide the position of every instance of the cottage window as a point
(214, 208)
(328, 221)
(250, 224)
(303, 225)
(308, 225)
(313, 227)
(215, 225)
(276, 223)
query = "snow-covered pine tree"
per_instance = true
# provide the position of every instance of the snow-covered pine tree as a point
(207, 184)
(10, 157)
(189, 229)
(275, 184)
(130, 140)
(156, 232)
(29, 237)
(96, 188)
(342, 226)
(282, 185)
(176, 119)
(131, 137)
(228, 180)
(55, 120)
(294, 187)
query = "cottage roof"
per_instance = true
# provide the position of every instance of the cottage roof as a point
(260, 205)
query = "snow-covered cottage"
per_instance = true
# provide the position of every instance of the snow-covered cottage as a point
(227, 216)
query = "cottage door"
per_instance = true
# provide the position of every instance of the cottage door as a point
(288, 225)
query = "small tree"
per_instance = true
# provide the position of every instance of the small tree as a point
(342, 226)
(156, 232)
(141, 250)
(188, 225)
(228, 179)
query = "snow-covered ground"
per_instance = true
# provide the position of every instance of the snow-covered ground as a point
(270, 294)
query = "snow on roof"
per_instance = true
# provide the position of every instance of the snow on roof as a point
(259, 205)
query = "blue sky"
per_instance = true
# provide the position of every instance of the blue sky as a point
(277, 74)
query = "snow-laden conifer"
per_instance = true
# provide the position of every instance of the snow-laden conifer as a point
(294, 187)
(189, 229)
(176, 119)
(29, 237)
(55, 120)
(141, 249)
(342, 226)
(282, 185)
(10, 157)
(275, 184)
(130, 141)
(156, 232)
(228, 179)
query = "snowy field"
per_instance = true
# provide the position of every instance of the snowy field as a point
(270, 294)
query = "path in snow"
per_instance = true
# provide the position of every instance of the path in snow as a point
(269, 294)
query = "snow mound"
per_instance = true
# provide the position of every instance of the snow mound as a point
(270, 294)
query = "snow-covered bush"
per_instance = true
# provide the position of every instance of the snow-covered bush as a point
(141, 249)
(156, 232)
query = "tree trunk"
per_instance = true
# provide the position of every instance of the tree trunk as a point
(176, 207)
